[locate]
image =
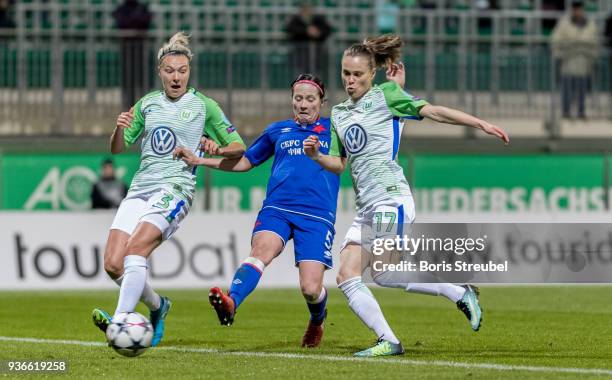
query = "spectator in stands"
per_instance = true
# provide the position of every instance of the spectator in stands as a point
(109, 191)
(574, 46)
(608, 42)
(386, 15)
(134, 19)
(5, 18)
(308, 33)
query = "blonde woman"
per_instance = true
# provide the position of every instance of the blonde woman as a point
(162, 189)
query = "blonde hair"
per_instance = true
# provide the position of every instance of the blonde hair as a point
(178, 44)
(381, 51)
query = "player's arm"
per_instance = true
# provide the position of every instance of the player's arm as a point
(335, 161)
(241, 164)
(128, 128)
(222, 140)
(406, 106)
(447, 115)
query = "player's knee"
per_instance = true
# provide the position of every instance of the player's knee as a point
(345, 274)
(311, 291)
(138, 247)
(263, 252)
(113, 265)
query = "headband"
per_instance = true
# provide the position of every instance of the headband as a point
(172, 52)
(312, 83)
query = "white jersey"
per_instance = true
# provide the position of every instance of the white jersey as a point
(370, 131)
(165, 124)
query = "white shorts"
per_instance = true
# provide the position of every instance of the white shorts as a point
(392, 215)
(161, 207)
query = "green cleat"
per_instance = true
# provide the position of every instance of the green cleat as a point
(382, 348)
(470, 306)
(158, 320)
(101, 319)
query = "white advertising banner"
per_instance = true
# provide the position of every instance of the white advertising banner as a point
(65, 250)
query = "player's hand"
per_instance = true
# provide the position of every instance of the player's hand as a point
(124, 120)
(208, 146)
(312, 146)
(182, 153)
(397, 73)
(495, 131)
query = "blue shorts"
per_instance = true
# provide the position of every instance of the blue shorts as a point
(312, 238)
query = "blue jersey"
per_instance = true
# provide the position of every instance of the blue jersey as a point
(297, 184)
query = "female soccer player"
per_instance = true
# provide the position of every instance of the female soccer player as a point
(369, 128)
(300, 204)
(162, 189)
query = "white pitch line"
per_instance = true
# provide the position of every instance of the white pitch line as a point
(334, 358)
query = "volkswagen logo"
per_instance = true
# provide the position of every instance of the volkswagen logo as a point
(355, 138)
(163, 140)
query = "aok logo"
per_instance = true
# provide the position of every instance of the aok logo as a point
(355, 139)
(163, 140)
(66, 189)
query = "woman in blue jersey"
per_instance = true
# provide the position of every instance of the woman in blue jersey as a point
(162, 189)
(368, 125)
(300, 204)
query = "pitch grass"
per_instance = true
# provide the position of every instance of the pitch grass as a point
(523, 326)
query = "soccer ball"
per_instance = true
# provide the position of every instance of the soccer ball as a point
(130, 334)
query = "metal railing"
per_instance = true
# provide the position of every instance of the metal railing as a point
(60, 69)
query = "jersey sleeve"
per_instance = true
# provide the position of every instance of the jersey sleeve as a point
(261, 149)
(217, 126)
(131, 134)
(401, 103)
(336, 148)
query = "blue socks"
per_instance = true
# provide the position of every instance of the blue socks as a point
(317, 309)
(246, 279)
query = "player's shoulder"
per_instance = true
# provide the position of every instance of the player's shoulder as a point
(325, 122)
(278, 126)
(153, 95)
(341, 106)
(339, 109)
(206, 100)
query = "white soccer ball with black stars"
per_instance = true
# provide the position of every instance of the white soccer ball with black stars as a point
(130, 334)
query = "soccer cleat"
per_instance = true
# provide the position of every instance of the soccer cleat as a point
(101, 319)
(223, 305)
(382, 348)
(158, 320)
(470, 306)
(314, 333)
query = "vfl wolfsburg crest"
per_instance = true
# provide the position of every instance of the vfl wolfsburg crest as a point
(367, 105)
(355, 138)
(186, 115)
(163, 140)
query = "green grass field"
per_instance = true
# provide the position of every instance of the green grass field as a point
(528, 332)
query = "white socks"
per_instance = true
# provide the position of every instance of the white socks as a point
(151, 299)
(133, 283)
(450, 291)
(363, 303)
(399, 280)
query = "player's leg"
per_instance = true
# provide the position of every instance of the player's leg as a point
(165, 211)
(113, 265)
(393, 220)
(139, 247)
(364, 305)
(360, 298)
(313, 241)
(128, 215)
(315, 294)
(269, 236)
